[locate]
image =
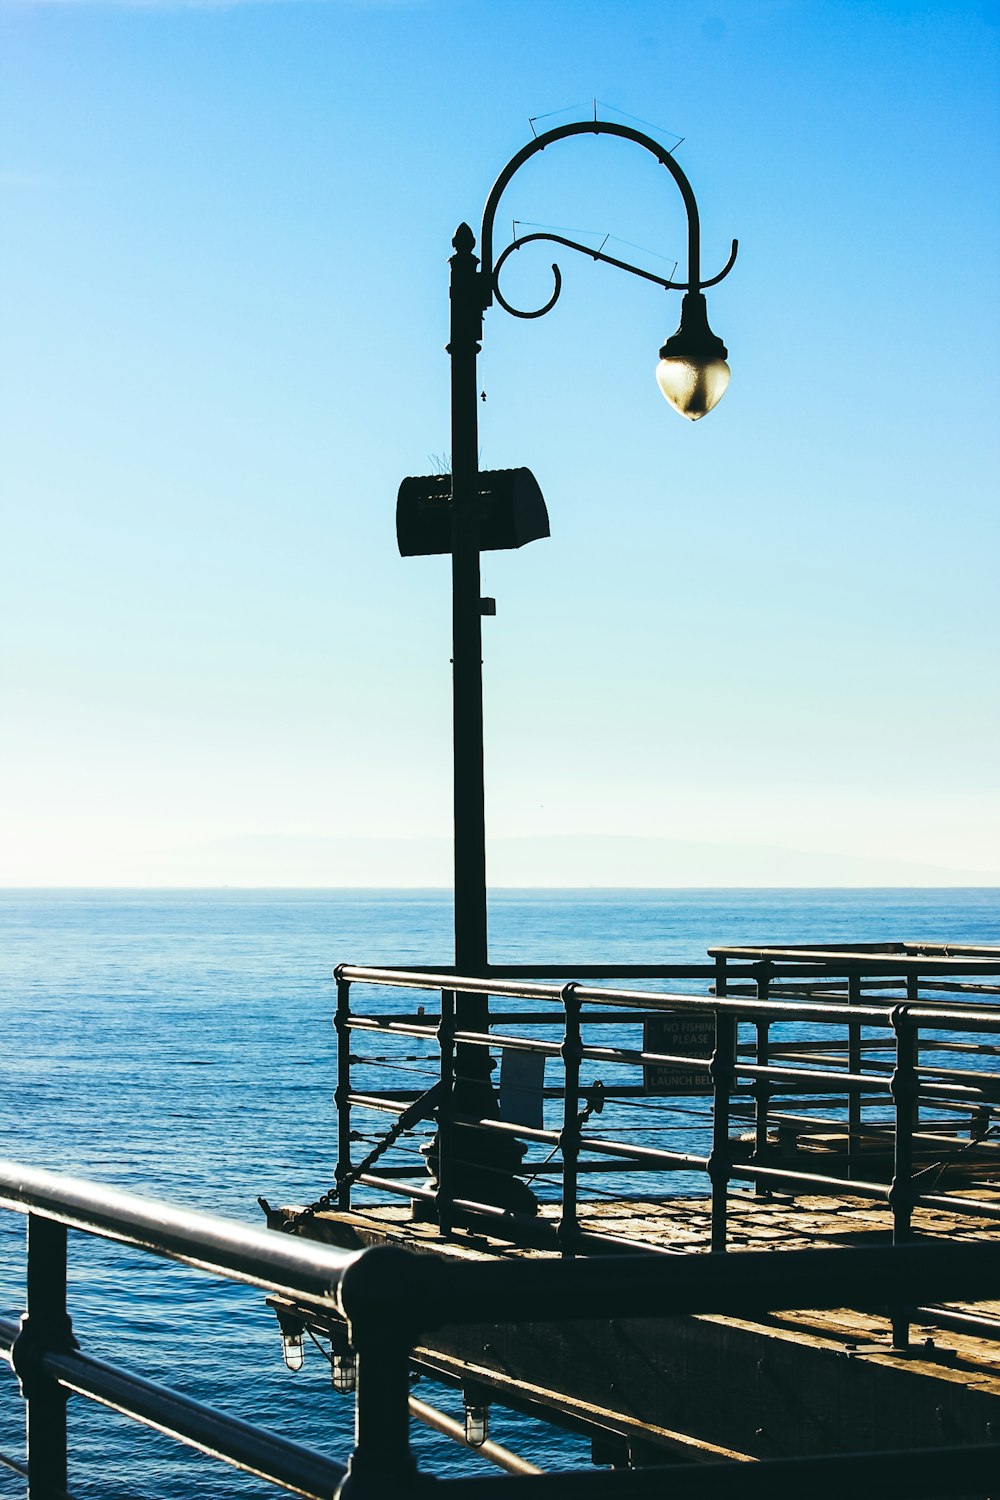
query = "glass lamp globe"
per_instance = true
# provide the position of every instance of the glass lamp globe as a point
(477, 1425)
(692, 383)
(344, 1371)
(692, 372)
(293, 1348)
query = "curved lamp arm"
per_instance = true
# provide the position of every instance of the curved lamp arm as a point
(490, 271)
(558, 239)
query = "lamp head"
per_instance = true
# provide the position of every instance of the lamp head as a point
(692, 373)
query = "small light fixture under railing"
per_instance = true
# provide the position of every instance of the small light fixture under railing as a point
(293, 1349)
(477, 1416)
(343, 1363)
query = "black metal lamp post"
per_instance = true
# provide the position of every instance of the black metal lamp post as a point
(693, 375)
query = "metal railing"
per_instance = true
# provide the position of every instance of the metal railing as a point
(883, 1059)
(388, 1297)
(50, 1366)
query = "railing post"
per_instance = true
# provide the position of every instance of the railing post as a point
(722, 1073)
(903, 1086)
(382, 1463)
(855, 1100)
(443, 1194)
(721, 972)
(382, 1301)
(762, 1089)
(342, 1097)
(569, 1139)
(45, 1326)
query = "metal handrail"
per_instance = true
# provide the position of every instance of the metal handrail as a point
(45, 1355)
(984, 1018)
(389, 1280)
(389, 1298)
(202, 1240)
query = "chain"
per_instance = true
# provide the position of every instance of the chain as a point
(420, 1109)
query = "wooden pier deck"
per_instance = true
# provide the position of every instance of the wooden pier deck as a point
(794, 1383)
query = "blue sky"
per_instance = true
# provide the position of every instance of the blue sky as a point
(225, 288)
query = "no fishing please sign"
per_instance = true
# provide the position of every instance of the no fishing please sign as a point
(681, 1034)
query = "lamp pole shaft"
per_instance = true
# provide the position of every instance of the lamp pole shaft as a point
(484, 1167)
(467, 643)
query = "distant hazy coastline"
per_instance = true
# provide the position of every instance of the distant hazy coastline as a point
(603, 861)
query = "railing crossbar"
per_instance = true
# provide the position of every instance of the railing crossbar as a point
(217, 1434)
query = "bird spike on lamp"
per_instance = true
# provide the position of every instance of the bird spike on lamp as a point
(692, 373)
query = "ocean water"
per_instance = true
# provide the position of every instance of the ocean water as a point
(180, 1044)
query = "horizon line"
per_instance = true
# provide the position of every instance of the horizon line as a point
(448, 889)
